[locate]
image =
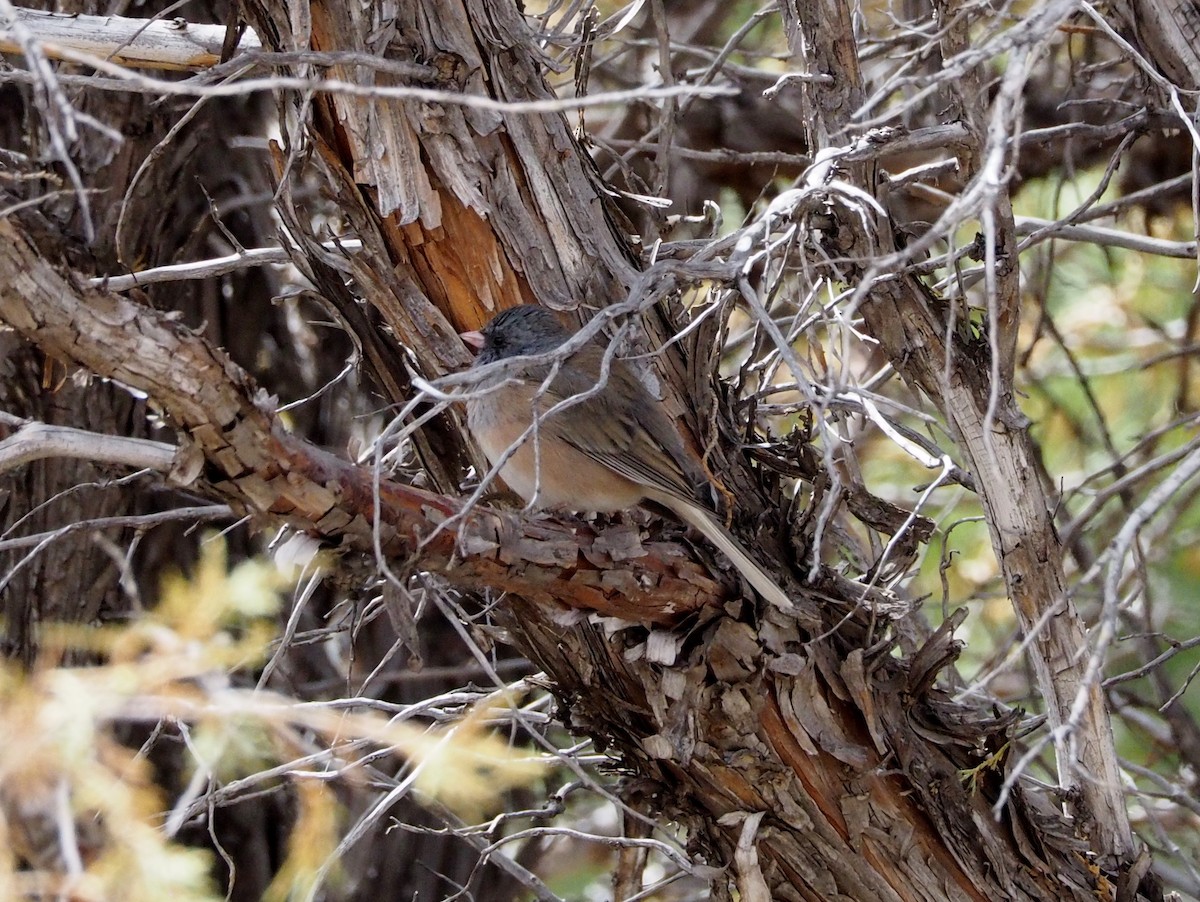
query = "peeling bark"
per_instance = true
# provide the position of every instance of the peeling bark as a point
(800, 752)
(976, 397)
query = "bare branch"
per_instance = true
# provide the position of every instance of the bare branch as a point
(141, 43)
(260, 468)
(207, 269)
(35, 441)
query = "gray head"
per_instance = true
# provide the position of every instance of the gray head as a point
(516, 332)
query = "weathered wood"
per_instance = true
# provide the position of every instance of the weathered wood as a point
(844, 767)
(742, 720)
(236, 450)
(172, 43)
(1167, 32)
(975, 392)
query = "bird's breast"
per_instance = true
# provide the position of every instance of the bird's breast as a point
(545, 468)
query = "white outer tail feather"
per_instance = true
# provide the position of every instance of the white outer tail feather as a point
(719, 536)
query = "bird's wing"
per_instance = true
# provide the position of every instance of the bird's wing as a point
(622, 426)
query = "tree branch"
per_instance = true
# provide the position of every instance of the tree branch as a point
(35, 441)
(962, 373)
(235, 449)
(174, 43)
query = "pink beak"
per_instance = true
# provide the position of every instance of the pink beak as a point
(472, 339)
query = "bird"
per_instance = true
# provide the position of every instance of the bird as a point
(609, 449)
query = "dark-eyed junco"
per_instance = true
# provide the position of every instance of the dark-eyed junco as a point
(605, 452)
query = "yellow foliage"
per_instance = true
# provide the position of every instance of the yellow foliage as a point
(311, 843)
(80, 814)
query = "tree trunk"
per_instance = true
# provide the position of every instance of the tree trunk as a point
(810, 755)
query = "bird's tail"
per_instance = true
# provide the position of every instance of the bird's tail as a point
(708, 524)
